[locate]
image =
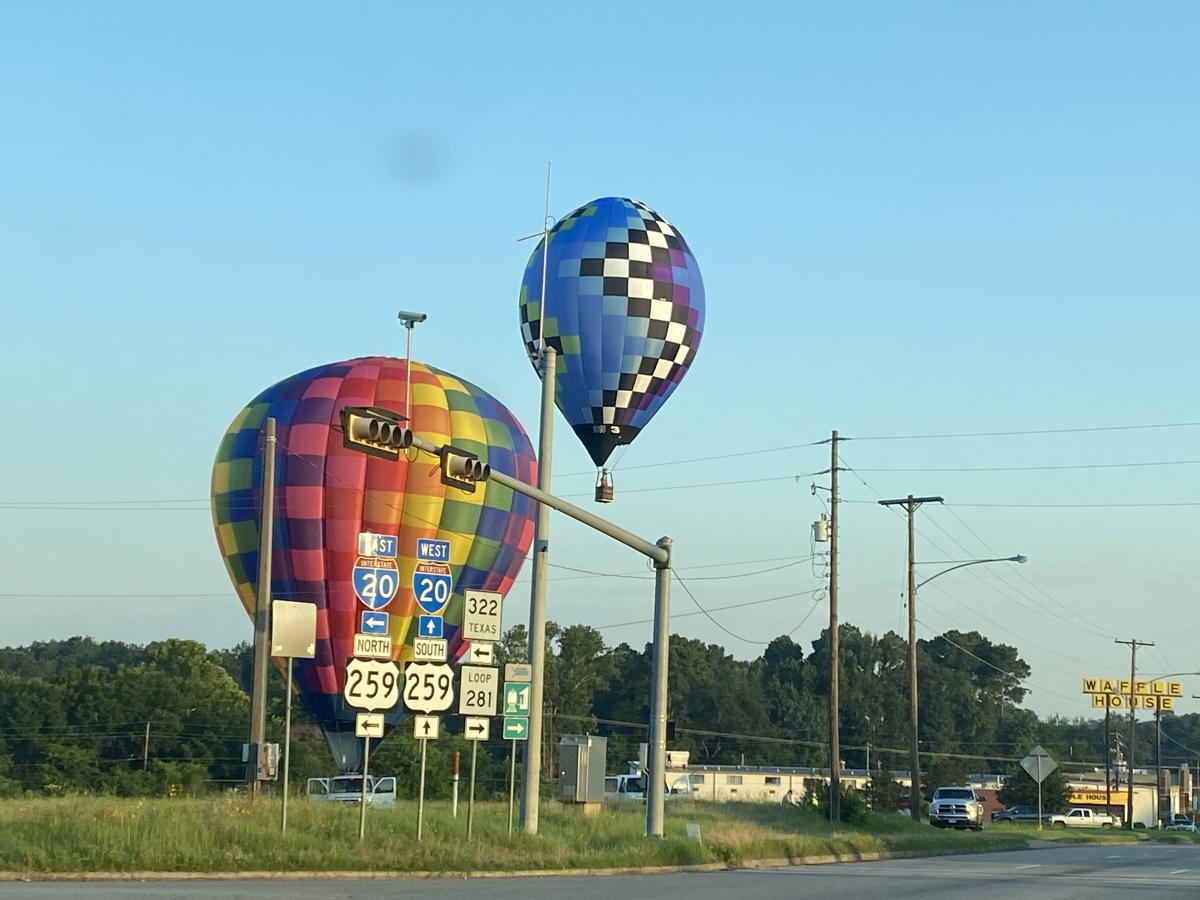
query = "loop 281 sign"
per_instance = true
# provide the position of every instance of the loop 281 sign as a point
(375, 581)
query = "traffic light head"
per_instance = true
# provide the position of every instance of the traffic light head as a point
(378, 432)
(461, 469)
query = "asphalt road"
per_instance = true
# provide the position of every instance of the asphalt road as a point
(1044, 873)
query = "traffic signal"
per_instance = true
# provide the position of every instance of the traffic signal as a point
(378, 432)
(461, 469)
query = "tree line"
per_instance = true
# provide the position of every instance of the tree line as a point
(171, 717)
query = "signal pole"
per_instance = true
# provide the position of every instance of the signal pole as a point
(262, 611)
(914, 757)
(1133, 644)
(835, 747)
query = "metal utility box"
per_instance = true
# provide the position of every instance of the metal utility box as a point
(582, 761)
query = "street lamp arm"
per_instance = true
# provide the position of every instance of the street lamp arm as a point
(974, 562)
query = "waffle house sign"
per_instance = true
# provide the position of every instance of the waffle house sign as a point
(1115, 694)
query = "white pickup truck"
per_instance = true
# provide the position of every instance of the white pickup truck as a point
(381, 792)
(1083, 818)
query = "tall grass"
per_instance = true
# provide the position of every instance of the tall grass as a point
(91, 834)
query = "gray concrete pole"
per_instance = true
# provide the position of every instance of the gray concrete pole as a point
(656, 780)
(531, 786)
(262, 611)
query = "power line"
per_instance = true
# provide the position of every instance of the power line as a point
(1025, 432)
(1044, 468)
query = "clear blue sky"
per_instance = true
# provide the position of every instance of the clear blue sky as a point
(912, 219)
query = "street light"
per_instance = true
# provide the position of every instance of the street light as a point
(1019, 558)
(1158, 744)
(973, 562)
(410, 320)
(911, 504)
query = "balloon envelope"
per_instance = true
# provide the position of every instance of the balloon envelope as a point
(624, 310)
(326, 495)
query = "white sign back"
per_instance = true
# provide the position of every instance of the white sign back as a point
(1038, 764)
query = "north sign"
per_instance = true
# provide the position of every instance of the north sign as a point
(373, 646)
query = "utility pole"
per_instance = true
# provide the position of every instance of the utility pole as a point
(262, 612)
(835, 746)
(548, 368)
(1107, 762)
(912, 503)
(146, 749)
(1133, 644)
(1158, 763)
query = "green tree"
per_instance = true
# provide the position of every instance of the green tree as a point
(884, 793)
(946, 771)
(1020, 789)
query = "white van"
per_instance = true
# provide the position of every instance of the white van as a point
(633, 787)
(381, 792)
(624, 787)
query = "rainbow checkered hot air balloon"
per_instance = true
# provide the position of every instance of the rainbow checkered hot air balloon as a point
(625, 311)
(327, 495)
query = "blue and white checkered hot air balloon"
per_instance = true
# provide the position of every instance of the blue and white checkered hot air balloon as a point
(624, 308)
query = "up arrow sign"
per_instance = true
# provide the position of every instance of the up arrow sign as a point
(425, 728)
(430, 628)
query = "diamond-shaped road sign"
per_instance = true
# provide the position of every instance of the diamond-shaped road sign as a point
(1038, 764)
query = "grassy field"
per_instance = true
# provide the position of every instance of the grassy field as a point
(91, 834)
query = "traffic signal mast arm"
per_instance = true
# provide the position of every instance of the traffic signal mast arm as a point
(381, 432)
(660, 556)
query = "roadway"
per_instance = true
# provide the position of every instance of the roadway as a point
(1046, 873)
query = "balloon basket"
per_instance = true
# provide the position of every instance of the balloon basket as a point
(604, 487)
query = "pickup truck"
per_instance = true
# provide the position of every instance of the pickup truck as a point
(956, 807)
(1084, 818)
(381, 792)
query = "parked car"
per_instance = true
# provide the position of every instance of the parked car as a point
(1182, 823)
(956, 807)
(1018, 814)
(1084, 818)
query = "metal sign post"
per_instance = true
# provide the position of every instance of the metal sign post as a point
(421, 791)
(454, 788)
(471, 792)
(512, 785)
(425, 729)
(362, 807)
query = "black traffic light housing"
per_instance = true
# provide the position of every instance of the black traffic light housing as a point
(461, 469)
(375, 431)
